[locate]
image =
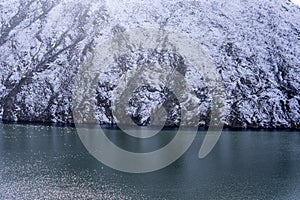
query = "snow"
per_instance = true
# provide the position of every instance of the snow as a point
(254, 44)
(297, 2)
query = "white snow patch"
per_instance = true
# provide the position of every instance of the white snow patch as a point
(297, 2)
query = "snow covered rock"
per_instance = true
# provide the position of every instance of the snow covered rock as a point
(254, 44)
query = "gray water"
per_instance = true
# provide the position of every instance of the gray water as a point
(48, 162)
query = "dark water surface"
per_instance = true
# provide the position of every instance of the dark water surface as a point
(48, 162)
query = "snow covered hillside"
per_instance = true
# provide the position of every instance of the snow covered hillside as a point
(254, 44)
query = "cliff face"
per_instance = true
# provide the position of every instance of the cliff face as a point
(254, 44)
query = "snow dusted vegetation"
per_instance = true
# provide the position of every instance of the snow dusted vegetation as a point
(254, 44)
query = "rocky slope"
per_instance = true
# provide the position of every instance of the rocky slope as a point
(255, 45)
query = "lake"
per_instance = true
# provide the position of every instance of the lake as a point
(50, 162)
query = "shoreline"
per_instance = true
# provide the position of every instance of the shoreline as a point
(115, 127)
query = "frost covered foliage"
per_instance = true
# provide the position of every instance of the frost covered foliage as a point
(255, 45)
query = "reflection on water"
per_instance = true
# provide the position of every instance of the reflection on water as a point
(50, 162)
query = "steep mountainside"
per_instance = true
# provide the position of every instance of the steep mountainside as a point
(254, 44)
